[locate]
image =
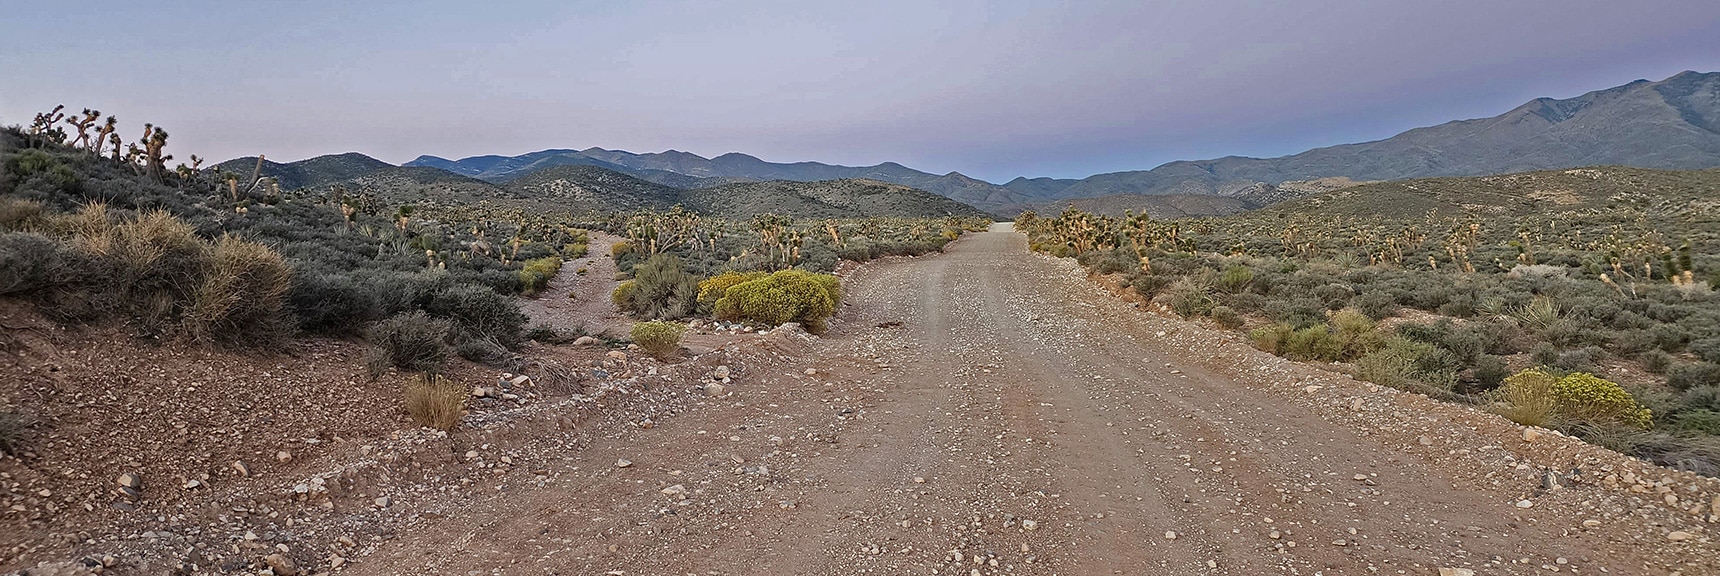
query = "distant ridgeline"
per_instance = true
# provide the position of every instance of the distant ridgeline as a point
(1673, 124)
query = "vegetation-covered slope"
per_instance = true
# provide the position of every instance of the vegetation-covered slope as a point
(851, 198)
(590, 188)
(1446, 286)
(310, 173)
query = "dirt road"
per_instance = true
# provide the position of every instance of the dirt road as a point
(992, 411)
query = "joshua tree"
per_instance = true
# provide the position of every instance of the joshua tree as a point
(113, 139)
(103, 133)
(45, 128)
(83, 125)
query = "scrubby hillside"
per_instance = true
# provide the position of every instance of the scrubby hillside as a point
(1168, 206)
(1447, 286)
(1663, 192)
(187, 254)
(581, 188)
(852, 198)
(311, 173)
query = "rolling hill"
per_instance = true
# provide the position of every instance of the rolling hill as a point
(846, 198)
(1538, 193)
(312, 173)
(584, 187)
(568, 184)
(1673, 123)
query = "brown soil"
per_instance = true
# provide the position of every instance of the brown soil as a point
(985, 411)
(578, 297)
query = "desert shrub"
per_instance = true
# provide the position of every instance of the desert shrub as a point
(1539, 313)
(434, 401)
(1527, 398)
(1188, 297)
(712, 289)
(1227, 317)
(1272, 339)
(484, 351)
(662, 289)
(40, 170)
(1297, 312)
(1538, 398)
(242, 296)
(33, 262)
(619, 249)
(1693, 374)
(786, 296)
(1247, 302)
(1629, 342)
(622, 296)
(153, 260)
(660, 339)
(1410, 365)
(1111, 262)
(1655, 361)
(1544, 354)
(1149, 285)
(1687, 451)
(1669, 337)
(1314, 343)
(479, 312)
(536, 274)
(1236, 279)
(1579, 360)
(1460, 306)
(412, 341)
(1704, 421)
(1334, 295)
(1708, 349)
(14, 430)
(1701, 398)
(1376, 304)
(1490, 371)
(1584, 397)
(21, 215)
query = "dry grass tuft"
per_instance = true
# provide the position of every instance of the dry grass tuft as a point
(435, 402)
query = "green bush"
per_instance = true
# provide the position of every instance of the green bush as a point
(1704, 421)
(660, 339)
(480, 313)
(622, 296)
(1189, 297)
(1272, 339)
(1314, 343)
(1691, 375)
(786, 296)
(412, 341)
(1585, 397)
(1227, 317)
(713, 288)
(1407, 364)
(1490, 371)
(661, 289)
(1701, 398)
(1376, 304)
(1236, 279)
(1149, 285)
(536, 274)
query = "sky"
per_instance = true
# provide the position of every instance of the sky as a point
(994, 90)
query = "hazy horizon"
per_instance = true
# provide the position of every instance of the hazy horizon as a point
(992, 90)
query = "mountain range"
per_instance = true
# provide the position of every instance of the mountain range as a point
(1673, 123)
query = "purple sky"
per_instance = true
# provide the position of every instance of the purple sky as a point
(993, 90)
